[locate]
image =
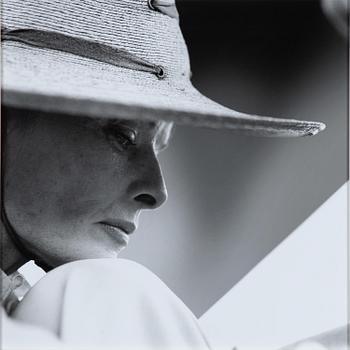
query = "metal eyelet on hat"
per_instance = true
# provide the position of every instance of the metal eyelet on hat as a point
(160, 72)
(150, 5)
(166, 7)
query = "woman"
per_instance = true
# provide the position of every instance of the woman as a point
(108, 172)
(91, 91)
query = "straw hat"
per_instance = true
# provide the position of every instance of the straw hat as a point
(113, 59)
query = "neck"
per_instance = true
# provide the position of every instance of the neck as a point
(11, 257)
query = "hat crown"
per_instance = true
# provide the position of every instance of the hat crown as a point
(76, 74)
(130, 25)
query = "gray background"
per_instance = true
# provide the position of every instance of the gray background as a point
(233, 198)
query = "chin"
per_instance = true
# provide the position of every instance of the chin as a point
(81, 254)
(102, 253)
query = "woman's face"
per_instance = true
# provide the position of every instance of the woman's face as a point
(74, 187)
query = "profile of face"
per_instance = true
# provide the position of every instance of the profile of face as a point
(74, 187)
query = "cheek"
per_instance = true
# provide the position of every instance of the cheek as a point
(96, 180)
(88, 183)
(67, 185)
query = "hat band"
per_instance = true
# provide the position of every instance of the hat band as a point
(81, 47)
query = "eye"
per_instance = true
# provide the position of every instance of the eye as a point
(121, 137)
(124, 139)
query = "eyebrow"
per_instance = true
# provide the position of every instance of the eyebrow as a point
(161, 142)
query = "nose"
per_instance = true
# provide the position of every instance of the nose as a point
(149, 190)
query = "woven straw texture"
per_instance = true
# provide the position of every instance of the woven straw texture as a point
(56, 81)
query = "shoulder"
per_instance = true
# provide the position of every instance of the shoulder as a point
(104, 271)
(104, 301)
(19, 335)
(100, 282)
(91, 271)
(113, 278)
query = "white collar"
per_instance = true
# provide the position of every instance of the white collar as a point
(13, 289)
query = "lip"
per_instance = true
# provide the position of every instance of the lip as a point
(119, 230)
(127, 227)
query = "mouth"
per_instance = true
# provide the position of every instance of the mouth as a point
(118, 230)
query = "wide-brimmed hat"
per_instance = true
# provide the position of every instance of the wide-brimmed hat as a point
(113, 59)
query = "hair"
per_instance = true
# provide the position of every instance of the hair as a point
(18, 122)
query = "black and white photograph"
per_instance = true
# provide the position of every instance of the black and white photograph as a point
(174, 175)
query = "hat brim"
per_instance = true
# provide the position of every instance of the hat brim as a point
(59, 82)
